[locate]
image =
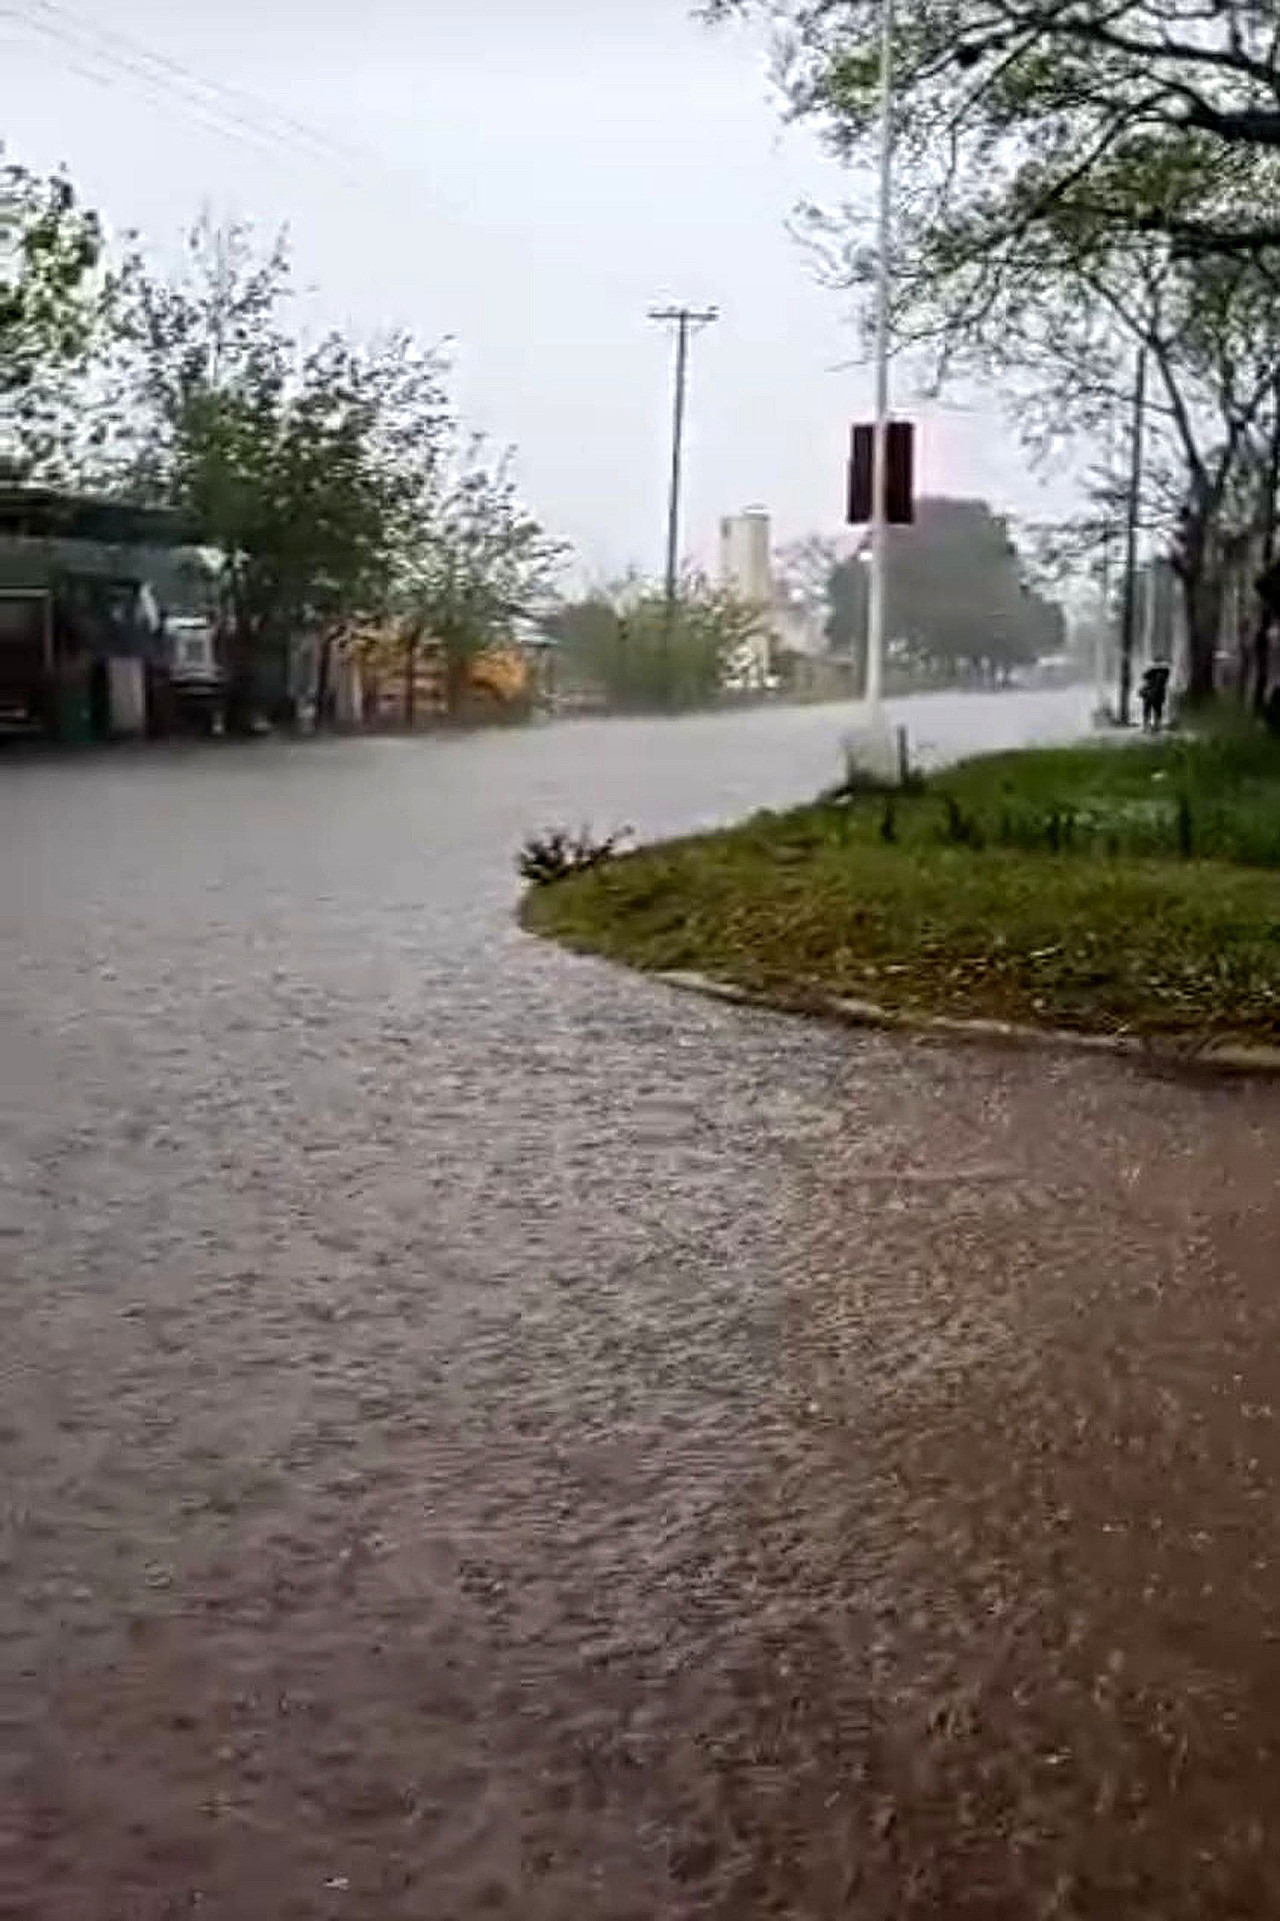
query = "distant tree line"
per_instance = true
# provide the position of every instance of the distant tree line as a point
(960, 603)
(961, 608)
(640, 655)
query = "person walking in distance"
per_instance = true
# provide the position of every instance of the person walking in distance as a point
(1152, 692)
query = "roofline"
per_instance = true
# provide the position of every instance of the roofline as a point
(45, 513)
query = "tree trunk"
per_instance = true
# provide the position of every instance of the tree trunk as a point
(1270, 506)
(1261, 660)
(241, 650)
(1201, 603)
(1201, 600)
(411, 681)
(456, 662)
(324, 677)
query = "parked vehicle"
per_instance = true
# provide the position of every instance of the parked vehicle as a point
(85, 651)
(196, 676)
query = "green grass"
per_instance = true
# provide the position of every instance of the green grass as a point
(1218, 798)
(1101, 887)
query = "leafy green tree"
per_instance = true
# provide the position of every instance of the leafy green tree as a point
(1060, 338)
(958, 595)
(335, 479)
(803, 573)
(306, 466)
(646, 657)
(959, 605)
(53, 293)
(472, 562)
(1005, 107)
(847, 594)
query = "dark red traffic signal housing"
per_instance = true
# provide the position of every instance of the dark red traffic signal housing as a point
(901, 460)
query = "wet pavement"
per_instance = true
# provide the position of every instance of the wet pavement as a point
(483, 1434)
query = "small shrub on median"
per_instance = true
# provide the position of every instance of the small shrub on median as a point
(556, 854)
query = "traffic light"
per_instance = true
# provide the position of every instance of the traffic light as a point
(900, 507)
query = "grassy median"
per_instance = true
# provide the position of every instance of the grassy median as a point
(1106, 887)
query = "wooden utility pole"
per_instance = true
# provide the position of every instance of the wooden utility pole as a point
(685, 320)
(1128, 619)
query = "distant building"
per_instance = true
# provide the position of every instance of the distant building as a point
(746, 569)
(746, 559)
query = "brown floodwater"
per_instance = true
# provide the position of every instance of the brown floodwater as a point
(483, 1434)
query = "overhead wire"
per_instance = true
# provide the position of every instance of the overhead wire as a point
(217, 108)
(72, 66)
(223, 96)
(239, 98)
(88, 62)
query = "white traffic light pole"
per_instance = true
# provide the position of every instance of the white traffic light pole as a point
(880, 441)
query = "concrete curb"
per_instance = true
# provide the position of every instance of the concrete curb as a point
(1190, 1056)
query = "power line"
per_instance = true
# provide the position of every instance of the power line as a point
(73, 66)
(238, 98)
(171, 85)
(74, 54)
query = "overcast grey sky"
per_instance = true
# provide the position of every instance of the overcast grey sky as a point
(540, 172)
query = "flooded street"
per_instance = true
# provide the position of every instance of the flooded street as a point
(484, 1434)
